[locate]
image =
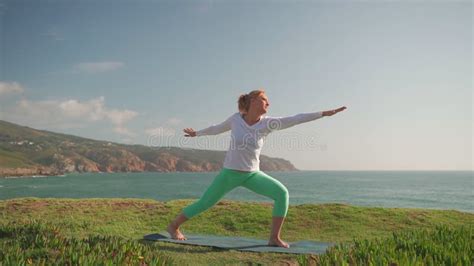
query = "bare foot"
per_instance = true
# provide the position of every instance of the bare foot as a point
(175, 233)
(278, 242)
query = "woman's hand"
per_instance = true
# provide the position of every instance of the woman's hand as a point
(189, 132)
(335, 111)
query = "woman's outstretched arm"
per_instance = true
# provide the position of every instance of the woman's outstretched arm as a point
(212, 130)
(279, 123)
(335, 111)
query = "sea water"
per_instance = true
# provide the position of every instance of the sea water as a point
(405, 189)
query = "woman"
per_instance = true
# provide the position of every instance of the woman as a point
(241, 165)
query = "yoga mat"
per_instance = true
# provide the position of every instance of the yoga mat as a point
(243, 243)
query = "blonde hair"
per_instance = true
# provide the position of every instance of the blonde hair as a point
(244, 99)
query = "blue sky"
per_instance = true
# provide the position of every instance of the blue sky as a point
(141, 71)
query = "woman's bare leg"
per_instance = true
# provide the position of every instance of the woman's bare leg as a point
(275, 240)
(173, 227)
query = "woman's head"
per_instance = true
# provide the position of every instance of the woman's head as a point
(255, 100)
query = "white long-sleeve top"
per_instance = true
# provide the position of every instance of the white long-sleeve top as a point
(247, 141)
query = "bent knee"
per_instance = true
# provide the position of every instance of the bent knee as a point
(282, 194)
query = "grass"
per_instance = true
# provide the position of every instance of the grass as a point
(13, 159)
(130, 219)
(41, 243)
(439, 246)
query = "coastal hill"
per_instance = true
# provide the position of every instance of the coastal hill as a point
(26, 151)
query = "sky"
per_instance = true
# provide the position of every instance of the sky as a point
(138, 72)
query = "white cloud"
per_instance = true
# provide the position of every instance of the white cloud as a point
(68, 114)
(10, 88)
(167, 130)
(92, 110)
(98, 67)
(124, 131)
(120, 117)
(160, 132)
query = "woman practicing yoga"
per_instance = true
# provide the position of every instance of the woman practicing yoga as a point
(242, 164)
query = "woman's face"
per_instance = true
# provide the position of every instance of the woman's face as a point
(260, 104)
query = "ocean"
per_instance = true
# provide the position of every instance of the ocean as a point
(404, 189)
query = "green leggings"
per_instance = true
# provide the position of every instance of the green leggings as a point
(229, 179)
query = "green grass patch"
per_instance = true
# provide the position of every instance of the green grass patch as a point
(11, 159)
(440, 246)
(41, 243)
(358, 230)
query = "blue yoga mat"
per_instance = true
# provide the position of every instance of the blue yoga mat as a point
(243, 243)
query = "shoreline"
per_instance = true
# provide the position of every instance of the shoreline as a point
(29, 176)
(78, 173)
(233, 201)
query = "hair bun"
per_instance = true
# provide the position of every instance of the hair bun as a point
(244, 99)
